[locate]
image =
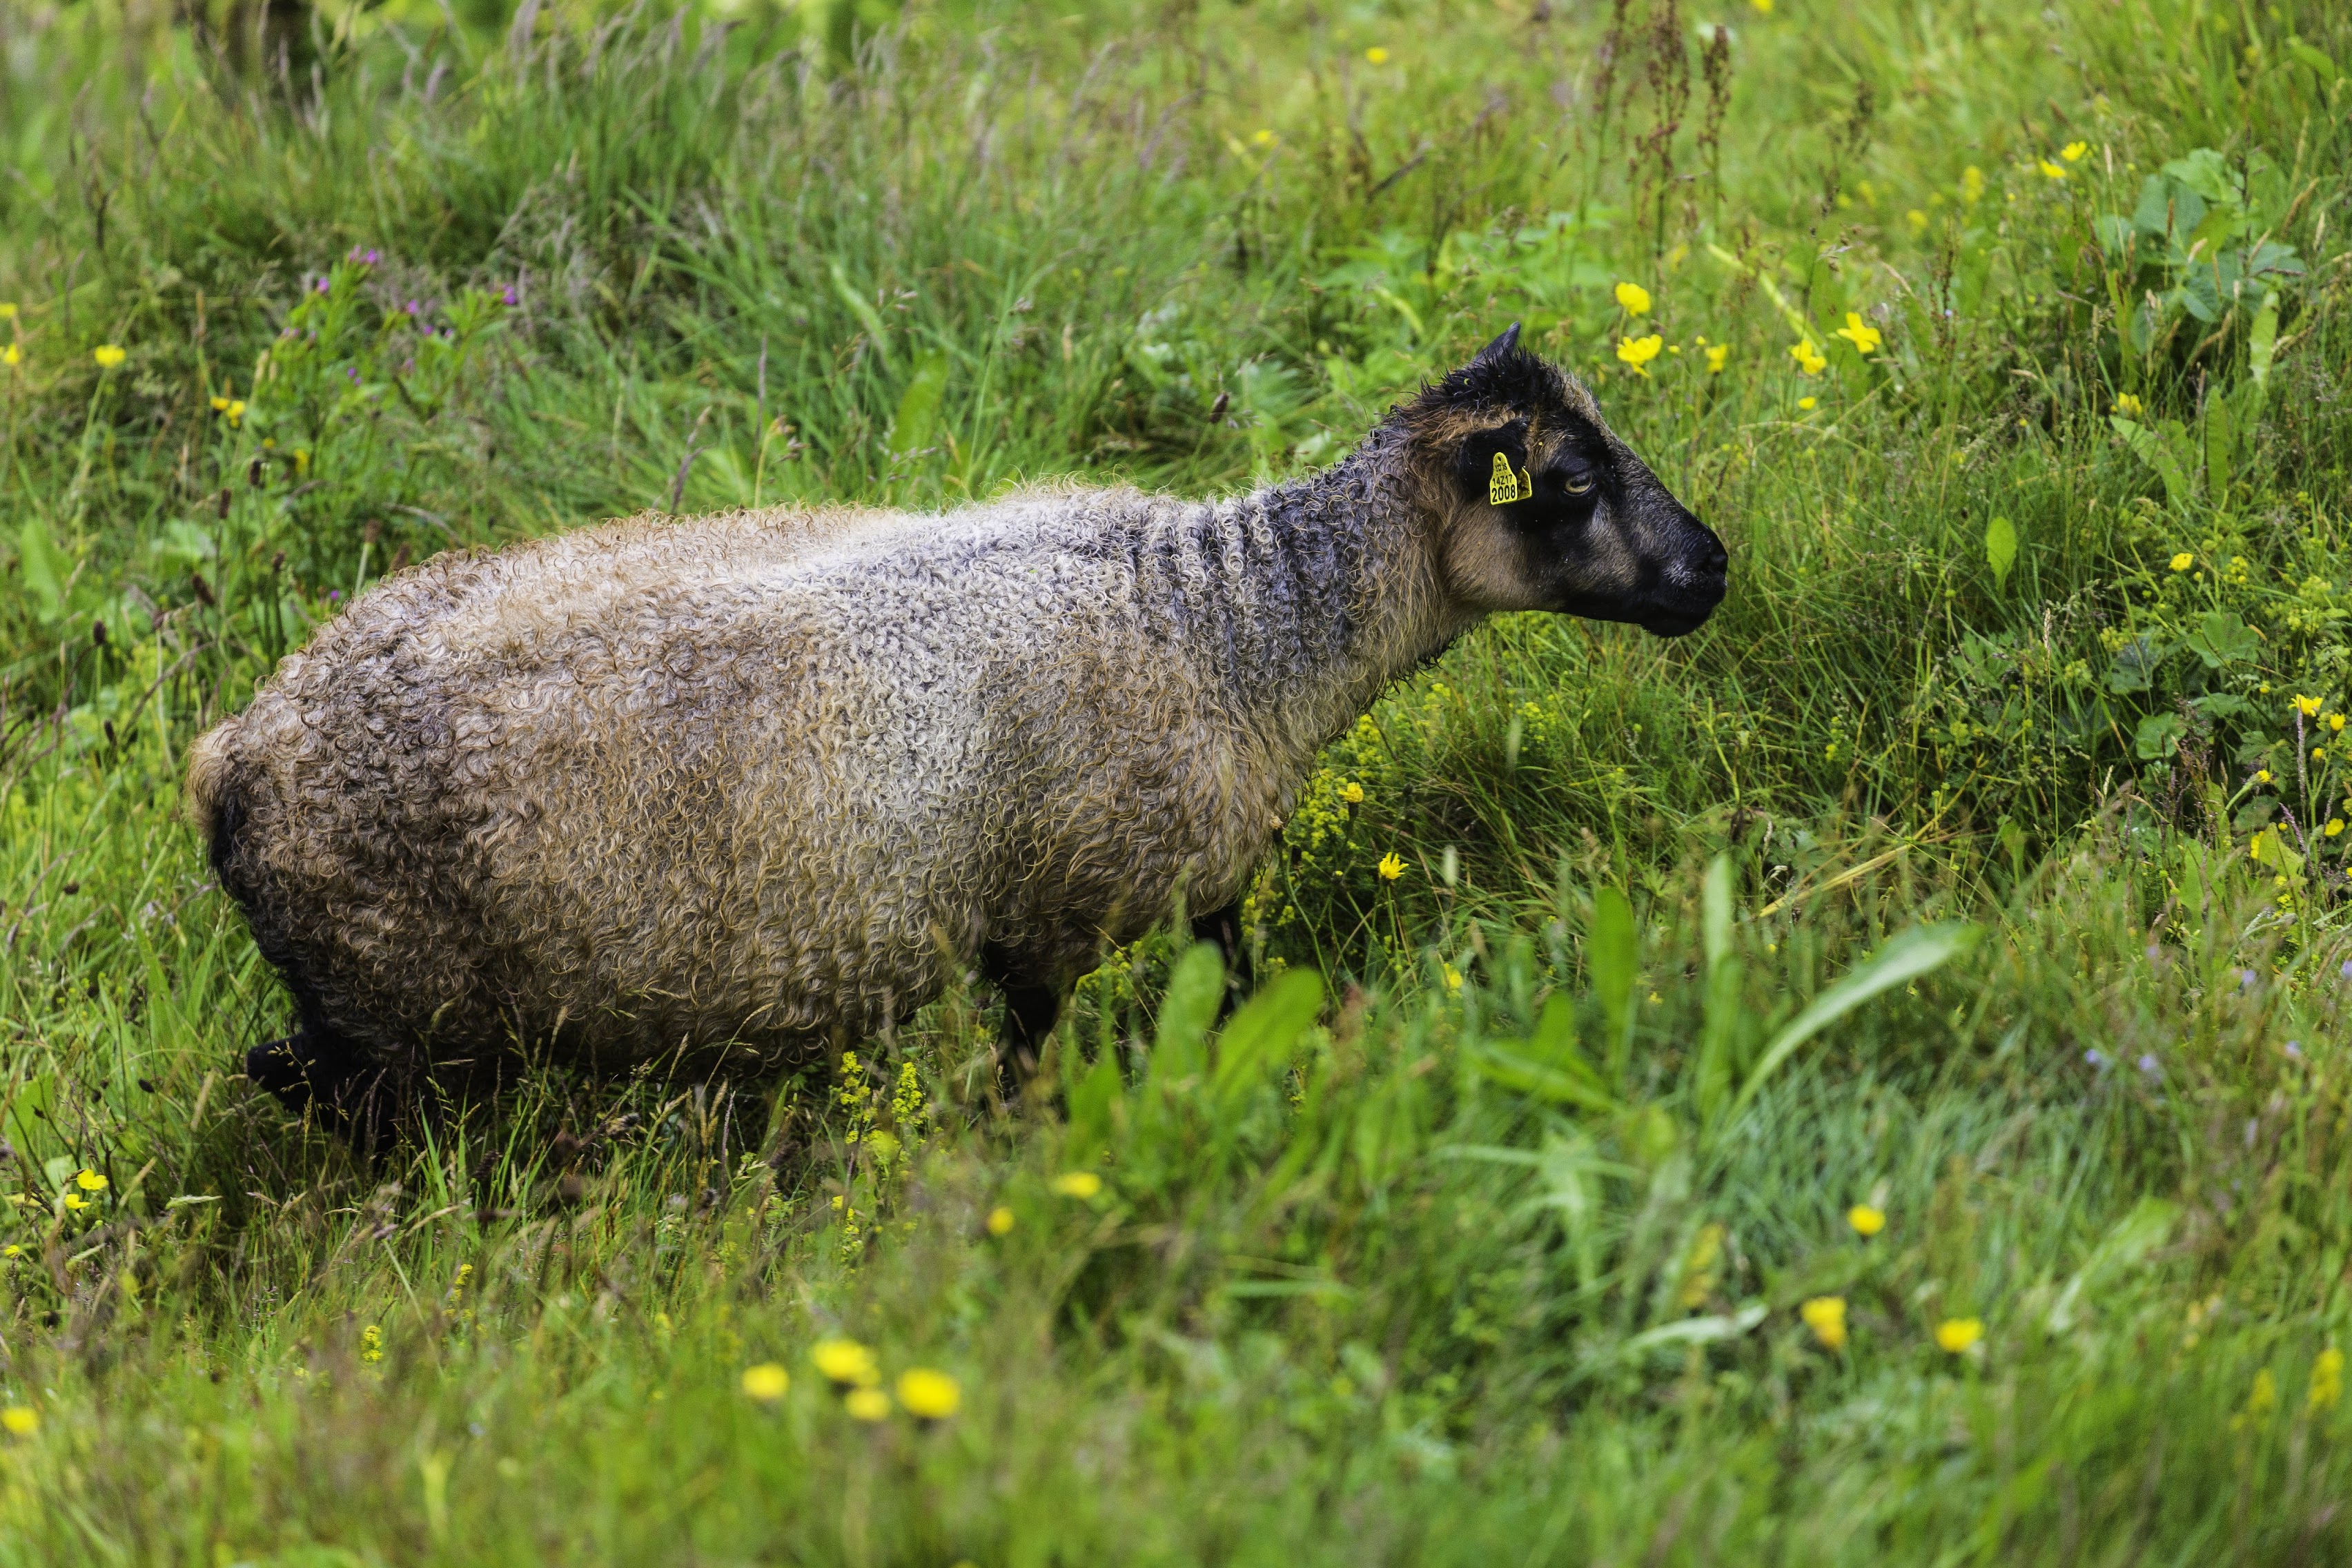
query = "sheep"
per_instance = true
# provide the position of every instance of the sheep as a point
(747, 787)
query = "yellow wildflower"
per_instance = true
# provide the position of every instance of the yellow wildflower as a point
(2049, 170)
(767, 1381)
(108, 355)
(2073, 152)
(1957, 1335)
(1263, 139)
(1715, 354)
(1865, 1220)
(2308, 707)
(2335, 721)
(1860, 333)
(1000, 1221)
(1826, 1315)
(1352, 792)
(2262, 775)
(1763, 8)
(1635, 299)
(8, 311)
(1453, 978)
(372, 1343)
(1077, 1184)
(1972, 185)
(1638, 352)
(2126, 404)
(90, 1181)
(868, 1404)
(74, 1201)
(20, 1420)
(932, 1395)
(2335, 825)
(1917, 220)
(1809, 404)
(220, 404)
(2183, 561)
(12, 355)
(1377, 55)
(1809, 359)
(2265, 1398)
(2326, 1379)
(846, 1362)
(1392, 867)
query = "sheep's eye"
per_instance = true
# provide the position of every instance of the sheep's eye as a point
(1577, 482)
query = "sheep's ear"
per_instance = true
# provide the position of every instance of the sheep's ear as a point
(1500, 346)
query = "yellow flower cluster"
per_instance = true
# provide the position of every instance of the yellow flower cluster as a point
(924, 1392)
(1810, 360)
(1638, 352)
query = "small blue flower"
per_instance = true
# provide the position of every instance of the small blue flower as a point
(2095, 1057)
(2246, 978)
(2150, 1066)
(2295, 1050)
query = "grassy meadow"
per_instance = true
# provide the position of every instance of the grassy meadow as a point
(1868, 1082)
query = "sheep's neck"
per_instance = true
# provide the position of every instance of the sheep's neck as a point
(1335, 591)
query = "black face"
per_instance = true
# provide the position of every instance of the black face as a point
(1595, 531)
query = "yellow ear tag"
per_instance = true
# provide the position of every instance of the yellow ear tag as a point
(1527, 486)
(1502, 485)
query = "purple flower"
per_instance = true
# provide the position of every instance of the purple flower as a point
(412, 307)
(2246, 978)
(2149, 1065)
(512, 296)
(321, 286)
(2155, 951)
(2295, 1050)
(2345, 969)
(2097, 1058)
(334, 594)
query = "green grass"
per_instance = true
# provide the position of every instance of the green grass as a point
(1483, 1235)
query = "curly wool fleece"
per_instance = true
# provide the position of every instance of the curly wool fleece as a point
(751, 784)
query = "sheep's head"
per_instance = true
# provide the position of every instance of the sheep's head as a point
(1543, 508)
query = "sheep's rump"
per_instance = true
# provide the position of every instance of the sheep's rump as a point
(747, 782)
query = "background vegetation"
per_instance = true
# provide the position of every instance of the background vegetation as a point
(1863, 1083)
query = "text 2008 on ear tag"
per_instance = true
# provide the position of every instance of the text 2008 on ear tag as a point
(1503, 484)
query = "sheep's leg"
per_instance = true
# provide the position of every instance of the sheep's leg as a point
(314, 1071)
(1031, 1010)
(1224, 927)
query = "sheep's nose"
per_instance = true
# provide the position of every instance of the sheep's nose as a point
(1718, 561)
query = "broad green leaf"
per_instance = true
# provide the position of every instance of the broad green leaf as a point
(1913, 953)
(2158, 733)
(2262, 343)
(1566, 1082)
(1611, 956)
(2220, 447)
(45, 571)
(919, 408)
(2167, 450)
(862, 309)
(2000, 548)
(2317, 60)
(1095, 1107)
(2133, 1238)
(1195, 988)
(2222, 638)
(1261, 1036)
(1714, 910)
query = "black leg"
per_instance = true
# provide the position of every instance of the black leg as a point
(1224, 927)
(313, 1072)
(1031, 1011)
